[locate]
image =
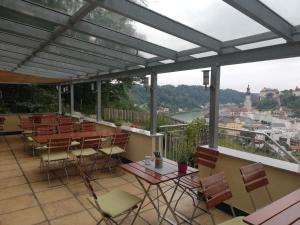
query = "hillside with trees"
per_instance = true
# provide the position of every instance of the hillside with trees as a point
(184, 96)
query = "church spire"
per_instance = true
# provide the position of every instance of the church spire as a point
(248, 90)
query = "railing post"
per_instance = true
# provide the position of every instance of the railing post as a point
(72, 98)
(214, 106)
(99, 107)
(153, 104)
(59, 100)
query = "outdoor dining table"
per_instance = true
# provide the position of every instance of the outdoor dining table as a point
(156, 177)
(43, 139)
(284, 211)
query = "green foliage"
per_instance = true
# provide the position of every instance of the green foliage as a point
(185, 97)
(185, 153)
(193, 131)
(288, 99)
(266, 104)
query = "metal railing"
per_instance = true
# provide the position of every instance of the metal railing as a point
(238, 139)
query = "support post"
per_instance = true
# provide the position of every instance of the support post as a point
(153, 104)
(72, 98)
(59, 100)
(214, 106)
(99, 106)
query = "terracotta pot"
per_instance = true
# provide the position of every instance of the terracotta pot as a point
(182, 167)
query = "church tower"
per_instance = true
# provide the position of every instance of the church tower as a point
(248, 101)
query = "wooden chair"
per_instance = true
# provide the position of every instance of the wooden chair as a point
(88, 126)
(215, 191)
(113, 204)
(190, 185)
(65, 120)
(89, 147)
(2, 122)
(57, 153)
(254, 177)
(65, 128)
(117, 146)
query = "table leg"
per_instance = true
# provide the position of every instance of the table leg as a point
(146, 191)
(168, 203)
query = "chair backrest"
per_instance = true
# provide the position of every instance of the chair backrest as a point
(254, 176)
(88, 126)
(48, 120)
(59, 144)
(215, 189)
(65, 128)
(206, 157)
(121, 140)
(91, 142)
(45, 130)
(65, 119)
(2, 121)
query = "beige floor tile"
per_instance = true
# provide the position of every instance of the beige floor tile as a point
(28, 216)
(53, 194)
(8, 162)
(129, 188)
(14, 191)
(75, 219)
(44, 185)
(12, 181)
(10, 173)
(17, 203)
(9, 167)
(62, 208)
(109, 183)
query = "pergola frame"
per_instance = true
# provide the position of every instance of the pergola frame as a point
(40, 45)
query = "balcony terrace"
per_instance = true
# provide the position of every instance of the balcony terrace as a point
(26, 198)
(41, 45)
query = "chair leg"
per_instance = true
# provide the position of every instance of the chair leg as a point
(269, 194)
(48, 174)
(184, 190)
(232, 209)
(252, 201)
(212, 217)
(66, 171)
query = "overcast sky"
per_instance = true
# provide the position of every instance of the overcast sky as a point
(219, 20)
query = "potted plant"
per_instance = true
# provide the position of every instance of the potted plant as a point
(184, 154)
(118, 124)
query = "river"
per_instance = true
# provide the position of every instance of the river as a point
(188, 116)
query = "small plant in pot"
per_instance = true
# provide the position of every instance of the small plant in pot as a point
(118, 124)
(184, 154)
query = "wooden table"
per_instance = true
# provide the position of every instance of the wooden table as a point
(43, 139)
(284, 211)
(154, 178)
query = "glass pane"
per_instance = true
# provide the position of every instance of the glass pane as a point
(289, 10)
(262, 44)
(127, 26)
(212, 17)
(68, 7)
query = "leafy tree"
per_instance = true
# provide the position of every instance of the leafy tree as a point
(267, 104)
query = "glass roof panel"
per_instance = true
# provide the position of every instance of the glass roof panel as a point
(212, 17)
(289, 10)
(127, 26)
(260, 44)
(68, 7)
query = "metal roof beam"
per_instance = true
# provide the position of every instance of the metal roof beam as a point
(44, 74)
(160, 22)
(46, 71)
(25, 7)
(264, 16)
(62, 65)
(32, 32)
(54, 68)
(253, 55)
(38, 12)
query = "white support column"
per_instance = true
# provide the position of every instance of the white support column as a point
(214, 106)
(59, 100)
(153, 104)
(99, 106)
(72, 98)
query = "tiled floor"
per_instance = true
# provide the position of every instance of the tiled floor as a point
(26, 198)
